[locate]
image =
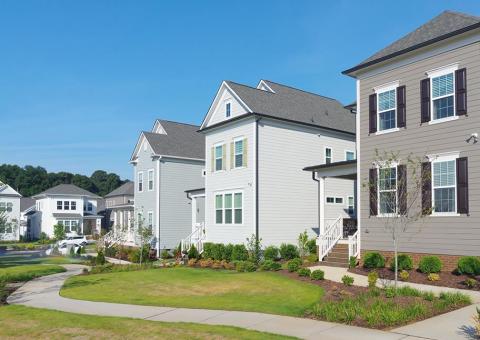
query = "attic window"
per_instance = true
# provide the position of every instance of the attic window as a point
(144, 146)
(228, 106)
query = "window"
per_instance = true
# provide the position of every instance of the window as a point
(66, 205)
(387, 104)
(338, 200)
(228, 107)
(73, 205)
(218, 157)
(70, 226)
(89, 206)
(140, 181)
(238, 153)
(59, 205)
(150, 219)
(334, 200)
(150, 180)
(328, 155)
(349, 155)
(9, 206)
(331, 200)
(351, 205)
(443, 96)
(444, 186)
(387, 190)
(229, 208)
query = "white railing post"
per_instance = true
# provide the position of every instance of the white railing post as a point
(327, 241)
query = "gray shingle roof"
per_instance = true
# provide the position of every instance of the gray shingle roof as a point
(181, 140)
(296, 105)
(125, 189)
(26, 202)
(442, 26)
(67, 189)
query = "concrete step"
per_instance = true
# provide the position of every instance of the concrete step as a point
(334, 264)
(336, 259)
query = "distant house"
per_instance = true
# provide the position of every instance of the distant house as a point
(69, 205)
(27, 208)
(10, 207)
(119, 207)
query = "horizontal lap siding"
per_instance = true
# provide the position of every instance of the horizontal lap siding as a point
(438, 235)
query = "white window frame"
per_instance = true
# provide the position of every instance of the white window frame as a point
(334, 200)
(89, 206)
(379, 90)
(223, 193)
(235, 140)
(215, 146)
(61, 205)
(387, 166)
(347, 151)
(73, 204)
(66, 205)
(353, 205)
(439, 158)
(438, 72)
(63, 223)
(140, 181)
(150, 219)
(151, 180)
(228, 104)
(331, 155)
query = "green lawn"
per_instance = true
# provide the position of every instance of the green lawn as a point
(32, 323)
(29, 259)
(265, 292)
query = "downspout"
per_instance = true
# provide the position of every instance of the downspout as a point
(318, 200)
(256, 180)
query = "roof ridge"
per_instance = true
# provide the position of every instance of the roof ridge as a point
(304, 91)
(172, 121)
(248, 86)
(465, 15)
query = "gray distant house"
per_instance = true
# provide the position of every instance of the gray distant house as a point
(167, 161)
(119, 207)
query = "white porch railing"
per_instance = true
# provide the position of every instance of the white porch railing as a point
(196, 238)
(353, 245)
(330, 237)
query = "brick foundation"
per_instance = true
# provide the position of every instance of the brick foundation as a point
(449, 262)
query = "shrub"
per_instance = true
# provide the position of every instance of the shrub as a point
(138, 253)
(304, 272)
(404, 275)
(303, 244)
(239, 253)
(390, 292)
(294, 265)
(317, 275)
(433, 277)
(217, 264)
(312, 246)
(270, 265)
(207, 250)
(85, 271)
(165, 254)
(428, 296)
(347, 280)
(372, 279)
(192, 262)
(193, 252)
(469, 265)
(110, 251)
(471, 283)
(218, 251)
(312, 258)
(254, 247)
(227, 265)
(100, 259)
(288, 251)
(206, 263)
(405, 262)
(352, 262)
(72, 251)
(43, 238)
(430, 264)
(227, 256)
(374, 260)
(250, 266)
(271, 253)
(240, 266)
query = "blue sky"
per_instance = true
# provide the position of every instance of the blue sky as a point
(79, 80)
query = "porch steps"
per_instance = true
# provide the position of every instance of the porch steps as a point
(338, 257)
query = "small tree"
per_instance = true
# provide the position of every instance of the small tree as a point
(254, 247)
(394, 200)
(59, 231)
(303, 246)
(144, 234)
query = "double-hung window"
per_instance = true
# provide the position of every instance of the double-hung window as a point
(73, 205)
(228, 109)
(444, 186)
(219, 209)
(219, 157)
(351, 205)
(59, 205)
(386, 109)
(150, 180)
(140, 181)
(349, 155)
(150, 219)
(229, 208)
(66, 205)
(328, 155)
(443, 96)
(387, 190)
(238, 153)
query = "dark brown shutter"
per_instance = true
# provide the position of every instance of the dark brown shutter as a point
(427, 188)
(461, 91)
(425, 100)
(372, 102)
(462, 185)
(402, 189)
(373, 192)
(401, 106)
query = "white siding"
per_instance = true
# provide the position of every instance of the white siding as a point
(12, 216)
(218, 114)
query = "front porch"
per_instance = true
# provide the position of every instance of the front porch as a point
(338, 238)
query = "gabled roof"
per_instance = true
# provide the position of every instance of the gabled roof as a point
(7, 190)
(66, 189)
(443, 26)
(26, 203)
(125, 189)
(180, 140)
(291, 104)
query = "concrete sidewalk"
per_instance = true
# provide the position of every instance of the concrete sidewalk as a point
(44, 293)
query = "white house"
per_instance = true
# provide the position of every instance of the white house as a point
(27, 209)
(258, 140)
(10, 207)
(69, 205)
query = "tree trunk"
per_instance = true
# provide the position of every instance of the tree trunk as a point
(396, 260)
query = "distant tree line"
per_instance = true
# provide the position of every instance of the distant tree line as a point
(30, 180)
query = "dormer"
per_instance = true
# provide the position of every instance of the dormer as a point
(158, 128)
(262, 85)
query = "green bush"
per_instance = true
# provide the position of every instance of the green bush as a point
(294, 264)
(100, 259)
(469, 265)
(207, 250)
(165, 254)
(193, 252)
(288, 251)
(227, 256)
(374, 260)
(347, 280)
(372, 279)
(268, 265)
(312, 246)
(404, 275)
(317, 275)
(240, 266)
(110, 251)
(405, 262)
(239, 253)
(134, 256)
(312, 258)
(352, 262)
(271, 253)
(250, 266)
(304, 272)
(430, 264)
(390, 292)
(471, 283)
(218, 251)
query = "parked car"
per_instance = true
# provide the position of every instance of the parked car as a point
(79, 240)
(63, 249)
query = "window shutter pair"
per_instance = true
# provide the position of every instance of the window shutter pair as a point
(245, 152)
(401, 109)
(373, 184)
(462, 186)
(212, 154)
(401, 190)
(224, 157)
(460, 95)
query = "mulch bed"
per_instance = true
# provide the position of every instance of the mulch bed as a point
(447, 279)
(7, 290)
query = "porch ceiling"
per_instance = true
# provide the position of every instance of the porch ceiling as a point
(343, 169)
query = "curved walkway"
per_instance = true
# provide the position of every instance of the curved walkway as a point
(44, 293)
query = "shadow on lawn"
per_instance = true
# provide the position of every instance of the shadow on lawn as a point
(82, 283)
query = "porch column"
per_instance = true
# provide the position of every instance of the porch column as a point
(121, 219)
(321, 204)
(115, 220)
(194, 212)
(129, 221)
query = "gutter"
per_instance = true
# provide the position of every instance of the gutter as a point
(256, 180)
